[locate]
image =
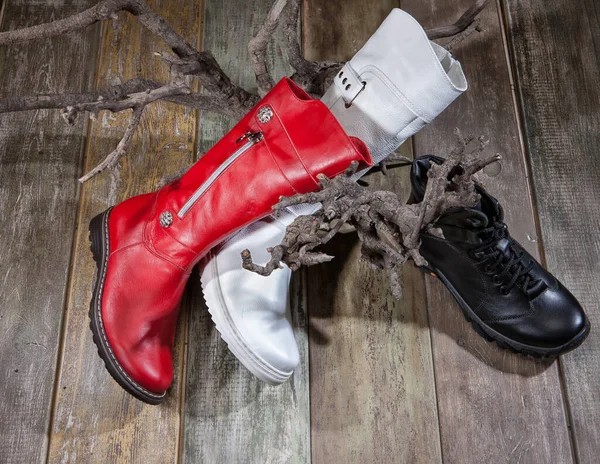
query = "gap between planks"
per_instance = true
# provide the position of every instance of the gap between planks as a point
(520, 121)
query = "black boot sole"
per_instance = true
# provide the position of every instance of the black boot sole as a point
(100, 246)
(502, 341)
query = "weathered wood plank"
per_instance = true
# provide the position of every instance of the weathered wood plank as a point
(555, 53)
(371, 372)
(40, 159)
(230, 416)
(494, 406)
(95, 420)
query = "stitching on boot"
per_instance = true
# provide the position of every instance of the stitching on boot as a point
(101, 324)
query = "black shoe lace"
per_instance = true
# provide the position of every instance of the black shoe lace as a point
(499, 263)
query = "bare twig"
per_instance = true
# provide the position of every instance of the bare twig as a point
(313, 76)
(113, 157)
(113, 94)
(463, 22)
(134, 100)
(394, 160)
(58, 101)
(458, 38)
(257, 48)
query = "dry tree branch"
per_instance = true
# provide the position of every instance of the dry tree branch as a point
(133, 100)
(192, 62)
(114, 94)
(257, 48)
(58, 101)
(458, 38)
(389, 229)
(223, 95)
(463, 22)
(313, 76)
(395, 159)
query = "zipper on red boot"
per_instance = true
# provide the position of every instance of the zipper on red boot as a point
(252, 139)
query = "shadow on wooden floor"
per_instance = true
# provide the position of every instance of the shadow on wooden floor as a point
(344, 247)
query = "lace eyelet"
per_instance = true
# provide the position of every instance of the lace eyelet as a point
(504, 290)
(496, 279)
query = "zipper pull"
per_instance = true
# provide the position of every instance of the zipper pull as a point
(253, 137)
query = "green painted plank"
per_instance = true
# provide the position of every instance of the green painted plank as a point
(229, 415)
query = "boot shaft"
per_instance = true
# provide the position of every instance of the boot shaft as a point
(394, 85)
(277, 149)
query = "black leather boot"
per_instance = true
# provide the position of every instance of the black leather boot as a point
(503, 291)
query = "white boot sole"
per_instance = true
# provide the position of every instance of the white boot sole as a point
(213, 296)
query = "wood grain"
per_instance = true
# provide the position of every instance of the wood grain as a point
(95, 420)
(40, 159)
(555, 51)
(494, 406)
(371, 372)
(230, 416)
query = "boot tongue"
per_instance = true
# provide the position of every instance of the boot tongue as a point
(503, 245)
(465, 218)
(490, 206)
(480, 216)
(463, 225)
(418, 174)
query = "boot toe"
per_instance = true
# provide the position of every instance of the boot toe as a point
(250, 311)
(156, 373)
(258, 315)
(259, 309)
(149, 367)
(275, 344)
(555, 323)
(559, 317)
(138, 319)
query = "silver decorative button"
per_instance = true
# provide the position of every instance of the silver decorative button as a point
(265, 114)
(166, 219)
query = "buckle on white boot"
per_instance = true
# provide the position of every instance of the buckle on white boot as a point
(349, 84)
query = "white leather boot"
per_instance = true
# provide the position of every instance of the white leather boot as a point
(398, 82)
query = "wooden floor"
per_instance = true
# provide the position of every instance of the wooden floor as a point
(381, 381)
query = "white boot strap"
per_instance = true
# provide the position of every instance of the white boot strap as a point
(349, 83)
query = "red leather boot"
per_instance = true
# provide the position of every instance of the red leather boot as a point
(146, 247)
